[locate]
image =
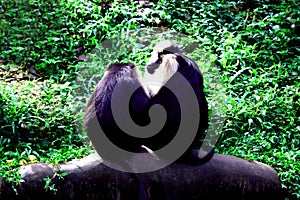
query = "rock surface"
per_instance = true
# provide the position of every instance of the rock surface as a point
(223, 177)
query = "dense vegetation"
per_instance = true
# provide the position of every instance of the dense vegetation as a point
(255, 45)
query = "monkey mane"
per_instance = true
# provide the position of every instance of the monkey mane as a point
(168, 67)
(115, 74)
(171, 65)
(124, 78)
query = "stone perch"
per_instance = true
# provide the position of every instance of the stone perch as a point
(223, 177)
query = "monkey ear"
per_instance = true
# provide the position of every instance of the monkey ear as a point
(131, 65)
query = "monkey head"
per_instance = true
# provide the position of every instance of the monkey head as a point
(120, 71)
(162, 65)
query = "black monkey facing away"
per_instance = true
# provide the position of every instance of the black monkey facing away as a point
(166, 59)
(99, 106)
(99, 114)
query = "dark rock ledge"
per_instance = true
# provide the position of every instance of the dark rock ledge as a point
(223, 177)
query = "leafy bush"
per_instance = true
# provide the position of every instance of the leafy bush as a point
(37, 125)
(47, 35)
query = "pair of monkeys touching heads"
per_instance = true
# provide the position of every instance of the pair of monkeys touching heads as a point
(166, 59)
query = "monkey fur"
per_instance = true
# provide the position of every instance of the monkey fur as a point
(127, 76)
(166, 59)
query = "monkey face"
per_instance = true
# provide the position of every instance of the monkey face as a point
(160, 57)
(156, 59)
(154, 62)
(162, 66)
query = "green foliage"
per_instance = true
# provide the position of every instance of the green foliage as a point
(50, 35)
(49, 185)
(254, 44)
(46, 34)
(36, 126)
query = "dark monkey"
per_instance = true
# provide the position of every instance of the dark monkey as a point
(99, 112)
(127, 76)
(166, 59)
